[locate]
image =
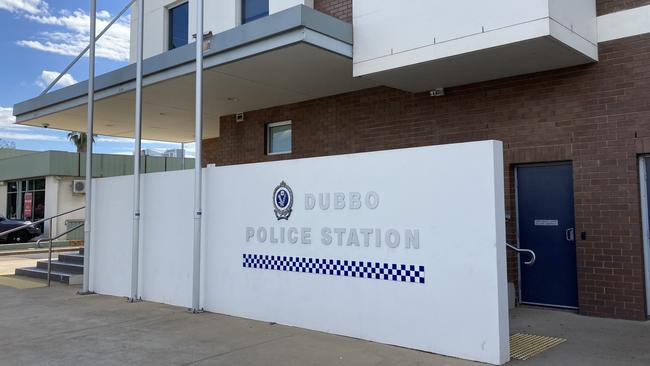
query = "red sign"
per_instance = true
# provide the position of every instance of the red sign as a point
(27, 205)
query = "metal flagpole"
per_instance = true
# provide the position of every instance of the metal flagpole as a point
(135, 250)
(89, 146)
(198, 133)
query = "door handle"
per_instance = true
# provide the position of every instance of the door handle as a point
(570, 234)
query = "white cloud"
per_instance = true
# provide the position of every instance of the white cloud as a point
(115, 140)
(15, 127)
(190, 148)
(11, 131)
(122, 153)
(48, 76)
(26, 6)
(6, 117)
(73, 34)
(125, 140)
(29, 136)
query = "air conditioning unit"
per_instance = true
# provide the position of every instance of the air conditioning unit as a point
(79, 186)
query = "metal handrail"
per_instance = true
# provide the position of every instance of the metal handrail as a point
(110, 24)
(519, 250)
(39, 221)
(49, 255)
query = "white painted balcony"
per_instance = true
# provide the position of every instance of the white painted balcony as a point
(419, 45)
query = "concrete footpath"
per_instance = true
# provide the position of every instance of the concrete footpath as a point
(54, 326)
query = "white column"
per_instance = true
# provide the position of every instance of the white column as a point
(52, 205)
(198, 133)
(89, 152)
(276, 6)
(135, 250)
(3, 199)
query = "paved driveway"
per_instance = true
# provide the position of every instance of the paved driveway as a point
(53, 326)
(9, 263)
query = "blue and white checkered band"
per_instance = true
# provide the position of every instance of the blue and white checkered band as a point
(337, 267)
(282, 201)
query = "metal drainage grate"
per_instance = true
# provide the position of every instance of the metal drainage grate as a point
(526, 346)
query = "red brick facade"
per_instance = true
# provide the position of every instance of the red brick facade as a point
(611, 6)
(596, 116)
(342, 9)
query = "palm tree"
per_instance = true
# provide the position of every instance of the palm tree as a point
(80, 140)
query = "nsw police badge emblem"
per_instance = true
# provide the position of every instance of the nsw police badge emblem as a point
(283, 201)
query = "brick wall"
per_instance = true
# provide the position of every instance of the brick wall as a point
(611, 6)
(597, 116)
(341, 9)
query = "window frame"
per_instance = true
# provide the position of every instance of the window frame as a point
(168, 21)
(17, 197)
(270, 126)
(242, 7)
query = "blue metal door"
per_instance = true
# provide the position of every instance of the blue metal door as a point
(547, 226)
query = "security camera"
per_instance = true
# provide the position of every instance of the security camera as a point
(46, 125)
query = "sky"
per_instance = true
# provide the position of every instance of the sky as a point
(38, 39)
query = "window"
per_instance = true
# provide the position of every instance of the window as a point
(178, 26)
(26, 199)
(278, 138)
(12, 200)
(253, 9)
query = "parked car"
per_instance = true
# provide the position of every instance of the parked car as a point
(20, 236)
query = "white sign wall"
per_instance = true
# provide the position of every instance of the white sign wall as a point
(422, 231)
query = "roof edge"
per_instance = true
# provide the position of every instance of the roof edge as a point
(296, 17)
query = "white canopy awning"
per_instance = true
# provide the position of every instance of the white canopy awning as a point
(288, 57)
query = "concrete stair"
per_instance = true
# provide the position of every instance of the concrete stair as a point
(68, 269)
(76, 258)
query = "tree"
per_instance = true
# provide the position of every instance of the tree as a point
(80, 140)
